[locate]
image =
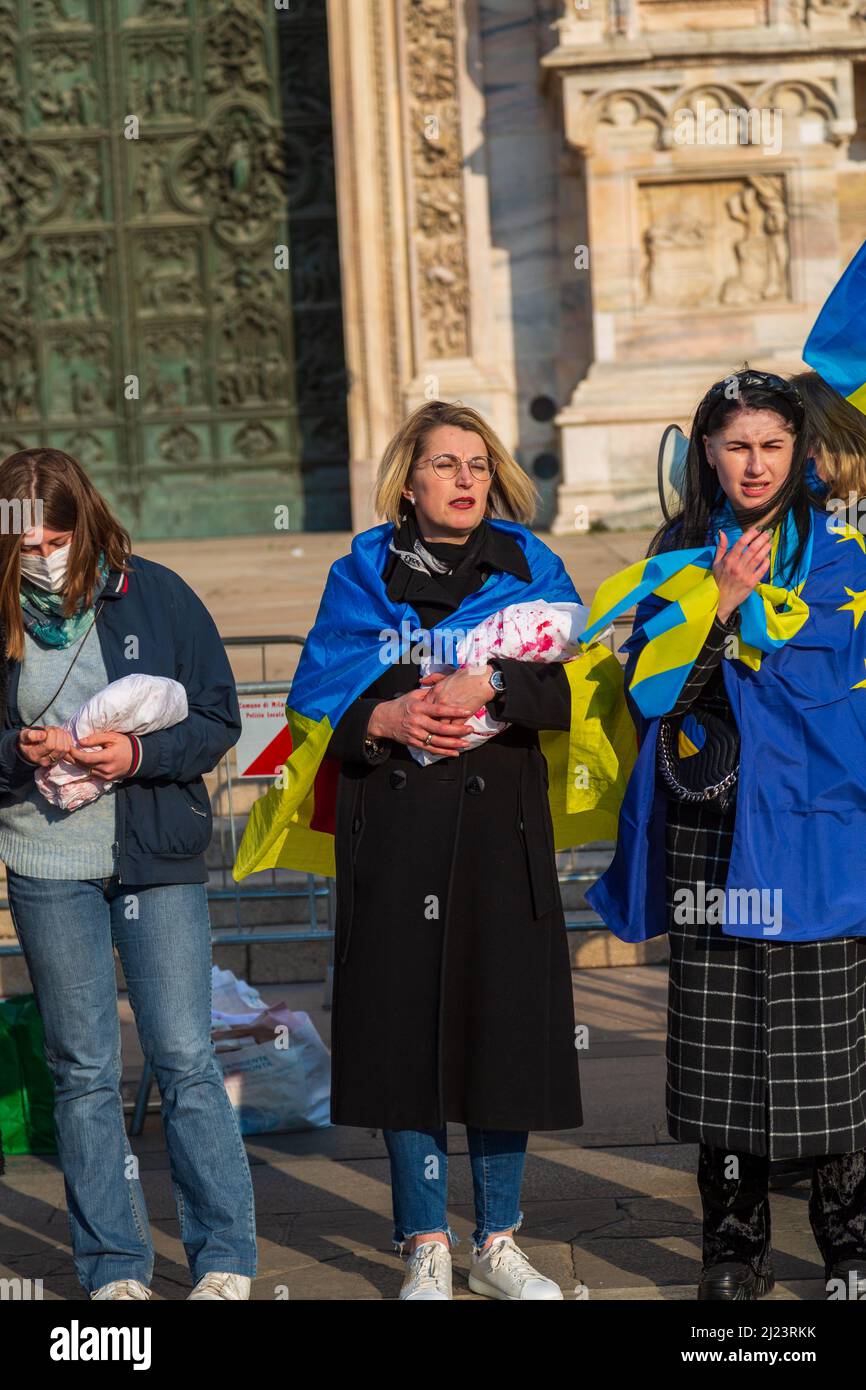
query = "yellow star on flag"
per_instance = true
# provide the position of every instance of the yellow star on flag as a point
(861, 685)
(848, 533)
(857, 605)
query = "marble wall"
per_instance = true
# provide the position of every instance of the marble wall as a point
(524, 227)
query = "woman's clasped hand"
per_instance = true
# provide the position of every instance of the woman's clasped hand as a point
(108, 753)
(420, 721)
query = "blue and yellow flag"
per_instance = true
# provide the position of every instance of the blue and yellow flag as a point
(358, 630)
(797, 869)
(836, 347)
(682, 580)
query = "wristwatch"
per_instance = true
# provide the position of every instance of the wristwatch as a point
(497, 680)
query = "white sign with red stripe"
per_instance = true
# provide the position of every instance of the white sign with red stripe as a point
(265, 740)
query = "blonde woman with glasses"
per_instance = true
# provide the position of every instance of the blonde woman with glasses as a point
(452, 985)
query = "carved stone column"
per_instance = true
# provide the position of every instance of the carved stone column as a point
(415, 237)
(710, 242)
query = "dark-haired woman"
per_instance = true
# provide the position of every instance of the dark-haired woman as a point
(744, 782)
(126, 870)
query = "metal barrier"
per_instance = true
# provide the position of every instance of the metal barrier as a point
(313, 891)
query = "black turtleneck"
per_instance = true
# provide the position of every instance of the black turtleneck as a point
(433, 596)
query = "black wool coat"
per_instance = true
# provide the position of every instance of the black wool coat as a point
(452, 979)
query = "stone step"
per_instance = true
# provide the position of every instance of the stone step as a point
(262, 910)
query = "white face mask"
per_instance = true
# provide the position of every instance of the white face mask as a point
(48, 573)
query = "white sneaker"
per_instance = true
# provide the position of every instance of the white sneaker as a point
(503, 1271)
(122, 1288)
(222, 1286)
(428, 1272)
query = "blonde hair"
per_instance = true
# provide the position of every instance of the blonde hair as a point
(836, 431)
(512, 494)
(69, 502)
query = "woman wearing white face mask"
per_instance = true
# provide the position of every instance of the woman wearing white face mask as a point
(124, 871)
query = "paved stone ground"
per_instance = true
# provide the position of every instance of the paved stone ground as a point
(612, 1206)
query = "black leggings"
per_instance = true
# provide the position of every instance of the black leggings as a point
(737, 1208)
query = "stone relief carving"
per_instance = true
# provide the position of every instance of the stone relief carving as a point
(721, 241)
(84, 197)
(437, 177)
(173, 373)
(79, 377)
(19, 384)
(234, 50)
(148, 180)
(86, 447)
(256, 438)
(64, 89)
(160, 86)
(163, 9)
(72, 277)
(762, 251)
(630, 117)
(168, 274)
(179, 445)
(252, 353)
(205, 194)
(47, 13)
(236, 170)
(30, 189)
(10, 90)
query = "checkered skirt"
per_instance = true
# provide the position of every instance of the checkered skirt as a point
(766, 1050)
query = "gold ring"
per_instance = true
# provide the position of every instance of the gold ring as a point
(429, 738)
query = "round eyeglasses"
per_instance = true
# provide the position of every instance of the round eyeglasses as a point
(449, 466)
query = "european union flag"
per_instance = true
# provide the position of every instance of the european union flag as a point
(836, 347)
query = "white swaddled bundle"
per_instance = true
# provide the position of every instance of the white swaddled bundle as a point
(535, 631)
(131, 705)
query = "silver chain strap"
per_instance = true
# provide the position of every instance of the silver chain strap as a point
(667, 771)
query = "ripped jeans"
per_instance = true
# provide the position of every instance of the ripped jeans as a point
(419, 1181)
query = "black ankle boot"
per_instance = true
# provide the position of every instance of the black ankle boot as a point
(733, 1281)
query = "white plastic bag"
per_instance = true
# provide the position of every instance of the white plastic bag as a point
(276, 1069)
(535, 631)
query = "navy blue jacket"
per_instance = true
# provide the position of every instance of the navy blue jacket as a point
(164, 818)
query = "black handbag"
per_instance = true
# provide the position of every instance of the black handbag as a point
(703, 764)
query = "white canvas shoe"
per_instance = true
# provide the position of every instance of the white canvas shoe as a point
(503, 1271)
(428, 1272)
(222, 1286)
(122, 1288)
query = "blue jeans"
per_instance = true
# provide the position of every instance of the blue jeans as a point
(162, 934)
(419, 1181)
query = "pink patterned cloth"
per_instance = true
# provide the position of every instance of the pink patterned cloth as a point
(535, 631)
(132, 705)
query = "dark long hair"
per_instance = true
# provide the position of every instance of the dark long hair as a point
(754, 390)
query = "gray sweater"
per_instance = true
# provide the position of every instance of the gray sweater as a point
(37, 838)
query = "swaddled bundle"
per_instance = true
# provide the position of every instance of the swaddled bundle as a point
(131, 705)
(535, 631)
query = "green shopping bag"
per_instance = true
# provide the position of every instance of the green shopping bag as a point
(26, 1087)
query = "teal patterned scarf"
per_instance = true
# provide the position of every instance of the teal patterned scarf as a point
(44, 619)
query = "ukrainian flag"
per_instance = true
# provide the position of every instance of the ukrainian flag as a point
(292, 825)
(683, 583)
(836, 347)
